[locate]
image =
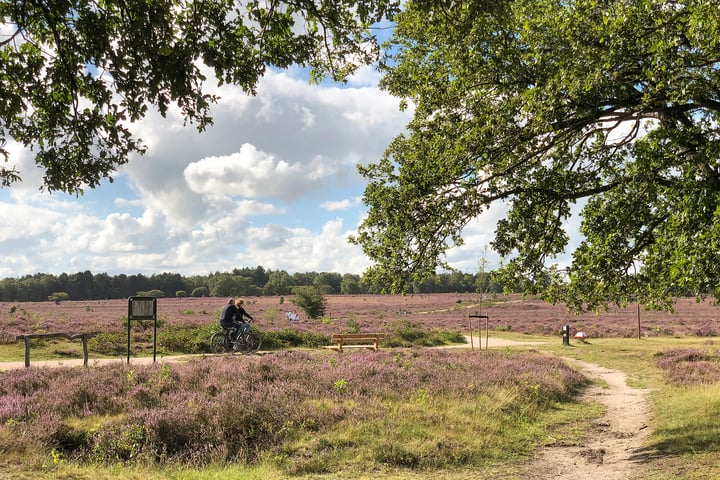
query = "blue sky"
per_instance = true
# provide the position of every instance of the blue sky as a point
(273, 183)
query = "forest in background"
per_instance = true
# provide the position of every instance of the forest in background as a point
(247, 281)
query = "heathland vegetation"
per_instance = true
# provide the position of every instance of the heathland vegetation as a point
(406, 411)
(294, 412)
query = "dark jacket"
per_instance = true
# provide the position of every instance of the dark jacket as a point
(241, 314)
(228, 314)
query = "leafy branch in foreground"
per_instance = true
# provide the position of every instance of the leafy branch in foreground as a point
(74, 74)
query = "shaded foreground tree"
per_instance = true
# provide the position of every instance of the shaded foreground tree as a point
(74, 74)
(554, 107)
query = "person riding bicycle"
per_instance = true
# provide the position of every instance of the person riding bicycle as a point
(233, 316)
(242, 315)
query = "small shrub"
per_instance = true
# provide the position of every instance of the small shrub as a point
(311, 300)
(353, 326)
(690, 366)
(108, 343)
(408, 334)
(182, 339)
(272, 315)
(288, 338)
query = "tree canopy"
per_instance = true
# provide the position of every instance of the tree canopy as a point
(75, 73)
(606, 109)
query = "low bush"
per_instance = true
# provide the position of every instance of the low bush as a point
(690, 366)
(185, 339)
(409, 334)
(108, 343)
(289, 338)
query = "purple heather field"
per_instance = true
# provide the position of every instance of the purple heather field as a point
(371, 313)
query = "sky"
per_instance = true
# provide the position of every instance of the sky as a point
(273, 182)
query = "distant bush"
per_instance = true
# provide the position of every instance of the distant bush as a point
(311, 300)
(200, 292)
(58, 297)
(151, 293)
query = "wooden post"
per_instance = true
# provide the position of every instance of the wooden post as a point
(85, 349)
(472, 345)
(487, 333)
(27, 351)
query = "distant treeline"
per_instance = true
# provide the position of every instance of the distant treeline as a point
(240, 282)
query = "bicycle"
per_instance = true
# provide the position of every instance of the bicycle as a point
(247, 341)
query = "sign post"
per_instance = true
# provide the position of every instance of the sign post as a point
(566, 334)
(142, 308)
(487, 332)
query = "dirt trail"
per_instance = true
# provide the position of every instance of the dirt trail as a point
(92, 362)
(613, 449)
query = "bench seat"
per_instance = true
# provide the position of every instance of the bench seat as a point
(356, 340)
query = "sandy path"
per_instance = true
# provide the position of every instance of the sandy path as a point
(77, 362)
(613, 448)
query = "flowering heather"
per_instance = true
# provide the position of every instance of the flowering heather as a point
(367, 313)
(690, 366)
(239, 408)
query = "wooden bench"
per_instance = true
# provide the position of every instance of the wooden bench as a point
(357, 340)
(82, 336)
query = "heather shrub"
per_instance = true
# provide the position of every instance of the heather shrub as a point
(185, 339)
(108, 343)
(690, 366)
(26, 382)
(670, 359)
(288, 338)
(408, 334)
(304, 410)
(707, 329)
(6, 337)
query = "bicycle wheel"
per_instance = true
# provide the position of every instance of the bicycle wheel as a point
(252, 342)
(218, 343)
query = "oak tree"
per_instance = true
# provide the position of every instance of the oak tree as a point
(605, 109)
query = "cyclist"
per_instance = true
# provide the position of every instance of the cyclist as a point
(242, 315)
(228, 315)
(233, 316)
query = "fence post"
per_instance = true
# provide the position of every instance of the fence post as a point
(85, 349)
(27, 351)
